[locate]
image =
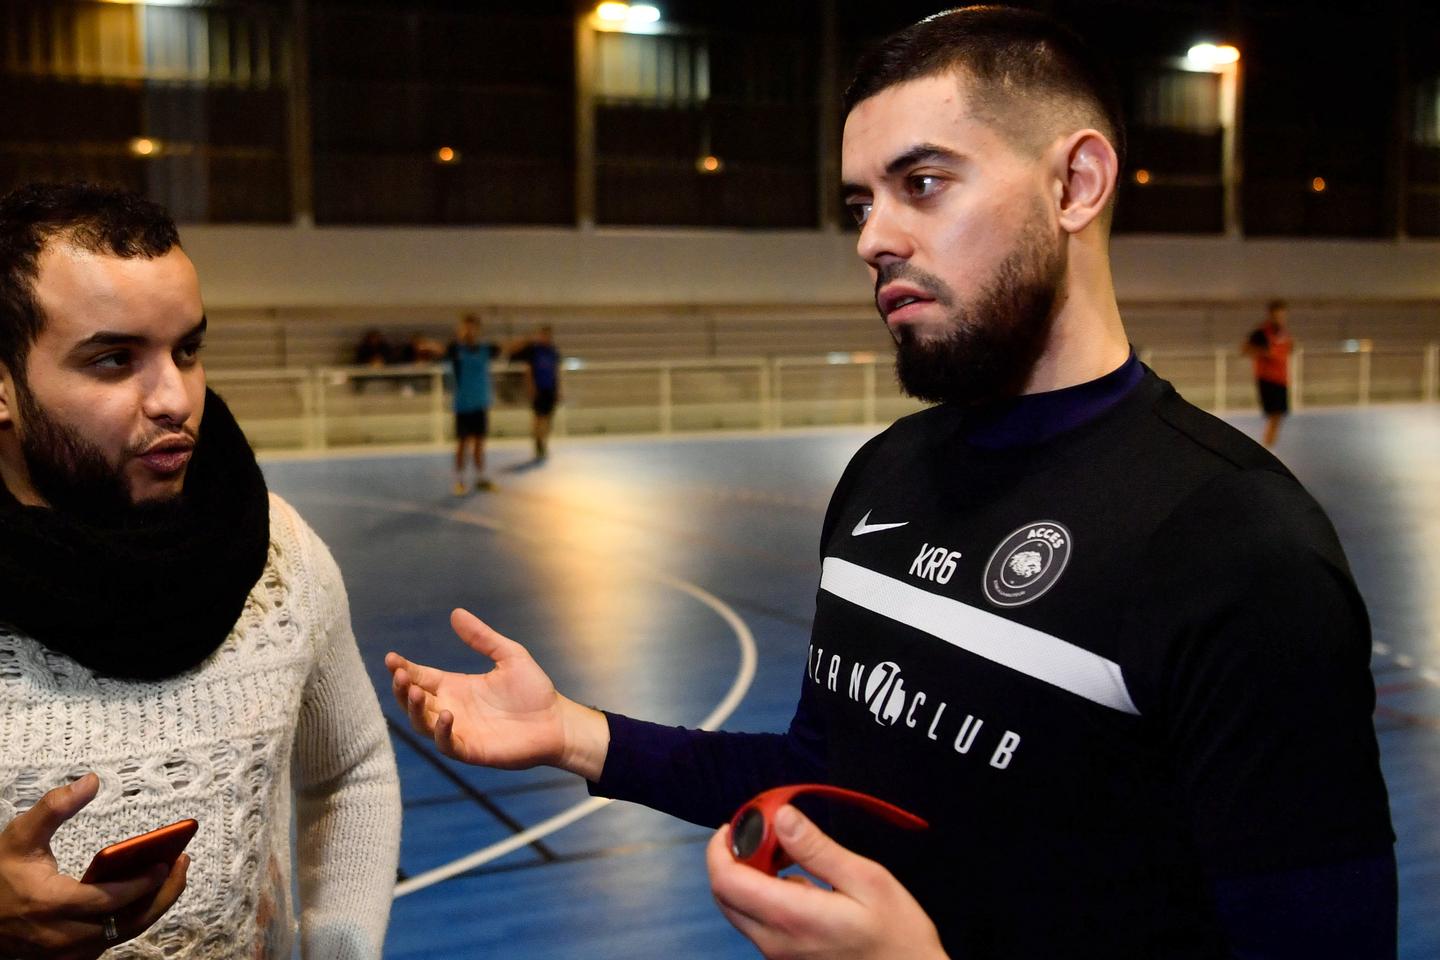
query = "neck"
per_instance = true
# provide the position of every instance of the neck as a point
(1087, 338)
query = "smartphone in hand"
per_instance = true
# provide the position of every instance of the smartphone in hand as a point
(130, 858)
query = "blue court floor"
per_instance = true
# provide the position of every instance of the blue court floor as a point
(637, 570)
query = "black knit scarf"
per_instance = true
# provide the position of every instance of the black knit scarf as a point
(148, 596)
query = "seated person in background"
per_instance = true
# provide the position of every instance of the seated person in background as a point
(174, 641)
(421, 349)
(374, 350)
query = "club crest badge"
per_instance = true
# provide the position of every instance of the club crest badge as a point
(1027, 563)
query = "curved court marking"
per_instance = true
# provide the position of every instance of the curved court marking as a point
(741, 684)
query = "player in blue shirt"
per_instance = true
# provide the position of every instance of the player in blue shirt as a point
(469, 361)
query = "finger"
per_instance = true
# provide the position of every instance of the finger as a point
(445, 733)
(740, 892)
(736, 885)
(417, 674)
(67, 940)
(482, 638)
(812, 850)
(400, 688)
(165, 897)
(31, 831)
(421, 707)
(753, 930)
(86, 900)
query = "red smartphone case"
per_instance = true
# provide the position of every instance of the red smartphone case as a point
(130, 858)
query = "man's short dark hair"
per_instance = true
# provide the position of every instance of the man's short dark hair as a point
(87, 217)
(1275, 305)
(1012, 57)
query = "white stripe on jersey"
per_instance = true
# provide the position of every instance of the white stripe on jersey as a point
(1010, 644)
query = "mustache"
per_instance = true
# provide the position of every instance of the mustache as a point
(888, 273)
(181, 432)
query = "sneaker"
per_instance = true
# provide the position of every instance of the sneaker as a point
(485, 484)
(459, 489)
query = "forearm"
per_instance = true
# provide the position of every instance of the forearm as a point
(348, 810)
(697, 775)
(348, 844)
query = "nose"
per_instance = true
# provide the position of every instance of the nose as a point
(884, 236)
(170, 393)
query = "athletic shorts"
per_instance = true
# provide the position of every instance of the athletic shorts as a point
(1274, 397)
(472, 423)
(544, 403)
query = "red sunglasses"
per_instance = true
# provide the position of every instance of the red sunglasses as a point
(752, 835)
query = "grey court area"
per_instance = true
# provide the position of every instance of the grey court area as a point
(600, 560)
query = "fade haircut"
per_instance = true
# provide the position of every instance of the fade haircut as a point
(90, 218)
(1015, 60)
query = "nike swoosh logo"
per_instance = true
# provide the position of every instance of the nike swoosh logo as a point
(865, 526)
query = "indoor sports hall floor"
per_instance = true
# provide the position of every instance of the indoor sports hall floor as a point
(641, 571)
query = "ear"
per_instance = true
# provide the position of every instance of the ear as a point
(1085, 169)
(7, 397)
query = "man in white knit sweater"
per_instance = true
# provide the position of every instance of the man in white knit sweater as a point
(175, 642)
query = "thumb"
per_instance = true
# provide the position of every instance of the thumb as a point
(811, 849)
(31, 831)
(481, 637)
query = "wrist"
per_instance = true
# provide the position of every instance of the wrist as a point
(586, 738)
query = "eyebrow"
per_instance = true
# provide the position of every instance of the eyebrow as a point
(914, 157)
(109, 338)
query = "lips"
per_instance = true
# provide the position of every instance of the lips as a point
(168, 456)
(900, 302)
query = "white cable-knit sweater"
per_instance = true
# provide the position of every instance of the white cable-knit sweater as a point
(284, 696)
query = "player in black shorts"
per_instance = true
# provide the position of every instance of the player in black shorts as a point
(1269, 346)
(469, 360)
(542, 382)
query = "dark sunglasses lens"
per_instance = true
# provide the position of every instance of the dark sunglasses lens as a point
(749, 831)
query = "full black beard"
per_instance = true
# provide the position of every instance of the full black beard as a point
(993, 342)
(72, 475)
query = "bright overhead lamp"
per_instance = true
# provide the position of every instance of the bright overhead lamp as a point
(1210, 56)
(613, 16)
(144, 147)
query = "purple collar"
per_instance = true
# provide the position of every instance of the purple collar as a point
(1037, 417)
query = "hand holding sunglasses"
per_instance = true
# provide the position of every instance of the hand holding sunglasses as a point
(752, 831)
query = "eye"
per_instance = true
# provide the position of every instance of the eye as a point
(118, 360)
(859, 210)
(189, 352)
(922, 185)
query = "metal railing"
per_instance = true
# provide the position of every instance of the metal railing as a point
(1354, 372)
(349, 406)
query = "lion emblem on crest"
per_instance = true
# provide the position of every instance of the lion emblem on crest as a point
(1026, 563)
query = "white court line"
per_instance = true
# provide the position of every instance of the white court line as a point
(738, 688)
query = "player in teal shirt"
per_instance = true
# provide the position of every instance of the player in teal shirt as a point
(469, 361)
